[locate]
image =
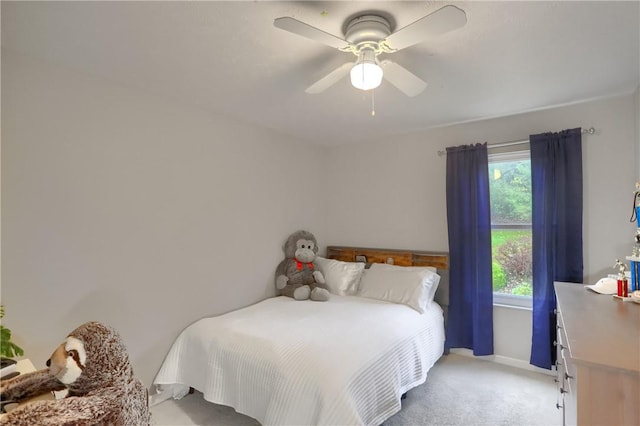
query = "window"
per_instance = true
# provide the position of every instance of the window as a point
(510, 194)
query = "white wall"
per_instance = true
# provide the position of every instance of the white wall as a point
(637, 121)
(391, 193)
(124, 208)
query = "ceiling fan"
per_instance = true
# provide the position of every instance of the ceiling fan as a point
(369, 35)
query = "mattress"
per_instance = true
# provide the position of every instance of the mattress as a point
(287, 362)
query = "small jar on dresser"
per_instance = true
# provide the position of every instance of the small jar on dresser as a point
(598, 363)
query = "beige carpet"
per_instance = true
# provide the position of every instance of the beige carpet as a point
(459, 391)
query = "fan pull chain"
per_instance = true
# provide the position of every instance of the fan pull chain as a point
(373, 103)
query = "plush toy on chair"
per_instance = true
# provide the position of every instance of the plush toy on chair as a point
(93, 365)
(296, 275)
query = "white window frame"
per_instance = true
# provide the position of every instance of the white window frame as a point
(516, 153)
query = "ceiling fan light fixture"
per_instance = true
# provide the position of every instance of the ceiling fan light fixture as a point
(366, 74)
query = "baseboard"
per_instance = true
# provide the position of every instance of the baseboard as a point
(499, 359)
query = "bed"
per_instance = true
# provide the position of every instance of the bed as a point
(347, 361)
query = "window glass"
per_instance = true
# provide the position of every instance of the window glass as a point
(510, 193)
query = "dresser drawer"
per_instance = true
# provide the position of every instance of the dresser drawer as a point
(561, 368)
(569, 388)
(566, 375)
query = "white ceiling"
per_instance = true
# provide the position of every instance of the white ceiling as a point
(228, 58)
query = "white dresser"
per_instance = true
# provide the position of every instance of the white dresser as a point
(598, 357)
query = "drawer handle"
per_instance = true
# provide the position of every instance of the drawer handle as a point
(558, 363)
(563, 391)
(558, 406)
(555, 343)
(567, 376)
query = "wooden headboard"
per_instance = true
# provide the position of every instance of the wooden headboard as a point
(402, 258)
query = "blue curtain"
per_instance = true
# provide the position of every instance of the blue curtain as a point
(470, 319)
(556, 185)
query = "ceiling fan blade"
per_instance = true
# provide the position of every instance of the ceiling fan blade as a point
(292, 25)
(330, 79)
(441, 21)
(407, 82)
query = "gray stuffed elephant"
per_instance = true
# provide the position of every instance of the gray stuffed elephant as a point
(296, 275)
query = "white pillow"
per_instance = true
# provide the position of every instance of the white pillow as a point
(342, 278)
(411, 287)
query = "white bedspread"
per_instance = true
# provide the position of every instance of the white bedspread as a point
(286, 362)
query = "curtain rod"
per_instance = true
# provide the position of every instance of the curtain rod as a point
(590, 131)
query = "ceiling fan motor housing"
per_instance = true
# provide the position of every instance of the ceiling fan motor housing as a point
(367, 30)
